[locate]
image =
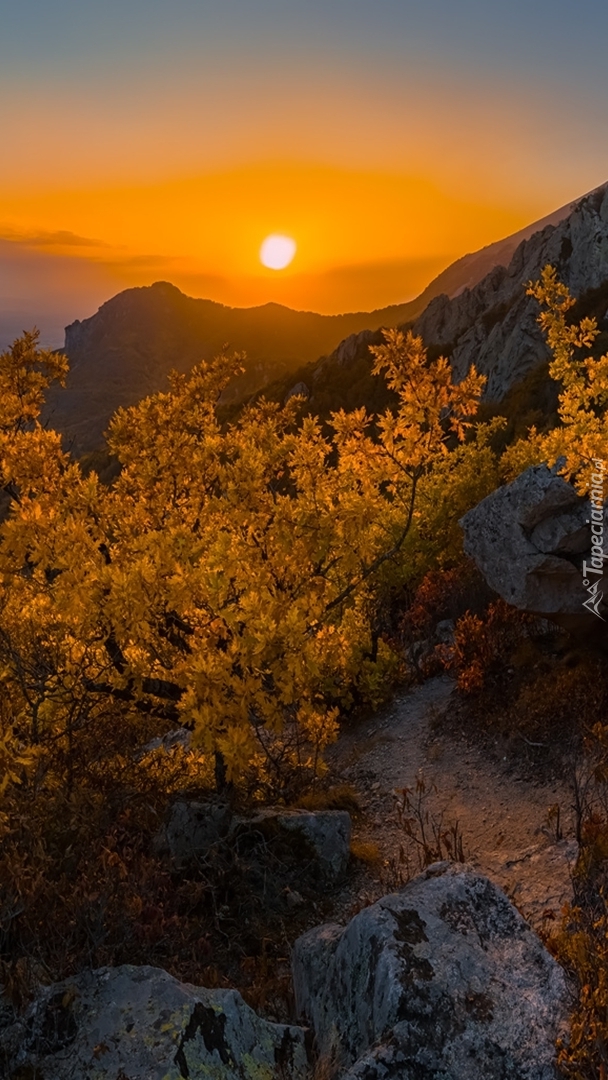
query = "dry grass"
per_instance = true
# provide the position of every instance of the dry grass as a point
(339, 797)
(365, 851)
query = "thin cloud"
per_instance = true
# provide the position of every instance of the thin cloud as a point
(141, 262)
(43, 238)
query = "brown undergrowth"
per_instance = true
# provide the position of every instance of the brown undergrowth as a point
(526, 687)
(225, 920)
(445, 593)
(581, 944)
(82, 884)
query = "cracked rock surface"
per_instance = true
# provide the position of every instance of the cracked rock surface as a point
(443, 980)
(529, 539)
(139, 1023)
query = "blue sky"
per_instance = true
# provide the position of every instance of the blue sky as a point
(534, 65)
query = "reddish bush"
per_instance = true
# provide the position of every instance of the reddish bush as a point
(481, 643)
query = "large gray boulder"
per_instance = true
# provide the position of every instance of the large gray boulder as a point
(441, 981)
(529, 539)
(140, 1023)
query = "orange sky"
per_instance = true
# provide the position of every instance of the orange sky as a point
(142, 141)
(364, 238)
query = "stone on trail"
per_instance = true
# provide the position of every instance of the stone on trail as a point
(441, 981)
(193, 828)
(319, 839)
(139, 1023)
(323, 834)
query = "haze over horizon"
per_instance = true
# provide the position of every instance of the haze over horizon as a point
(145, 142)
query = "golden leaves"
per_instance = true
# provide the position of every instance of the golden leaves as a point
(231, 568)
(430, 404)
(26, 371)
(582, 437)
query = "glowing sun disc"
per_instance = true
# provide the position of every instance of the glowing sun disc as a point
(277, 251)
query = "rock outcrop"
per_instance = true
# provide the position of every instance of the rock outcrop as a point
(317, 842)
(140, 1023)
(530, 539)
(441, 980)
(493, 325)
(351, 347)
(300, 389)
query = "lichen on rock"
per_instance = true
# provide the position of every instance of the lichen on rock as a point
(141, 1023)
(441, 980)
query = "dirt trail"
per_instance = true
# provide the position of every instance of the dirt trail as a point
(503, 818)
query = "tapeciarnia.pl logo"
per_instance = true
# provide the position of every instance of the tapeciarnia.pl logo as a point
(596, 565)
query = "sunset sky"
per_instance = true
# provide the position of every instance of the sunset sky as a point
(145, 140)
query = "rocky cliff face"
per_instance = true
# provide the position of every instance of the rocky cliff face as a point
(493, 325)
(477, 311)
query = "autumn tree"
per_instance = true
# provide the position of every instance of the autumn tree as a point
(228, 578)
(581, 436)
(578, 445)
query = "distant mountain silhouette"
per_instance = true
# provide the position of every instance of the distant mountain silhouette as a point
(125, 351)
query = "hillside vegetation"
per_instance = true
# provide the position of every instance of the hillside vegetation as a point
(245, 580)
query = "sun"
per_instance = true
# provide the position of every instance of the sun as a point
(277, 251)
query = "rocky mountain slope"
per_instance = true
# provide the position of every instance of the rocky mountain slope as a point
(494, 324)
(489, 321)
(475, 310)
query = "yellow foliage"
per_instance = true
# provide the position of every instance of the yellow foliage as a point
(25, 373)
(582, 438)
(229, 577)
(521, 454)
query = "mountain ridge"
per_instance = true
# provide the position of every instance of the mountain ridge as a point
(125, 350)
